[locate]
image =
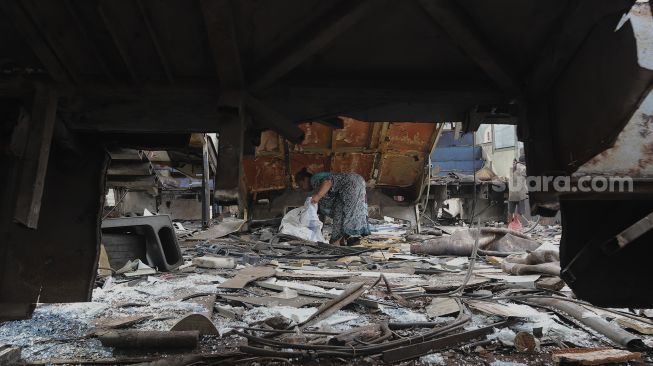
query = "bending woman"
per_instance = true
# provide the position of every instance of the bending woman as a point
(342, 197)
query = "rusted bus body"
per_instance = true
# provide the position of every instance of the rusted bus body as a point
(386, 154)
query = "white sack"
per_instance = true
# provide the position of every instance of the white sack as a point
(303, 223)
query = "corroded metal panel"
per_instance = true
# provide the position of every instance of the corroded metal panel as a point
(316, 136)
(384, 153)
(354, 136)
(406, 136)
(632, 153)
(400, 170)
(264, 173)
(271, 144)
(314, 162)
(363, 164)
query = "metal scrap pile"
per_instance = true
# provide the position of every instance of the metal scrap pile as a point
(252, 295)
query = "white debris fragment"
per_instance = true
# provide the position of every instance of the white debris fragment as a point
(432, 359)
(403, 315)
(505, 335)
(297, 315)
(506, 363)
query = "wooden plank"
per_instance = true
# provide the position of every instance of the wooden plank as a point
(456, 24)
(296, 302)
(309, 42)
(35, 158)
(247, 275)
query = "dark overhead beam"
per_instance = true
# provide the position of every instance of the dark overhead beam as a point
(221, 30)
(269, 118)
(81, 29)
(36, 41)
(381, 101)
(155, 40)
(578, 19)
(308, 42)
(454, 21)
(164, 114)
(51, 40)
(124, 55)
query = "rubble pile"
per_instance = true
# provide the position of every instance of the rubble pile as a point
(248, 294)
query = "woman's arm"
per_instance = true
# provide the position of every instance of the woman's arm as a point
(322, 191)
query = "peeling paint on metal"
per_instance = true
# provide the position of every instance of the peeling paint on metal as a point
(270, 144)
(632, 153)
(355, 134)
(409, 137)
(362, 164)
(264, 173)
(642, 22)
(400, 170)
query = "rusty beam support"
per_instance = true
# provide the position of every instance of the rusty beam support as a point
(454, 21)
(155, 41)
(309, 42)
(117, 42)
(36, 40)
(220, 27)
(34, 161)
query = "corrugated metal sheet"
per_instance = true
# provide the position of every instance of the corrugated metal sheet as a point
(384, 153)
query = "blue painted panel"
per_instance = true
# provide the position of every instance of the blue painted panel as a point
(446, 140)
(457, 153)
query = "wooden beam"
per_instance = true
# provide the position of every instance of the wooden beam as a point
(52, 40)
(449, 15)
(267, 117)
(36, 41)
(82, 30)
(310, 41)
(155, 41)
(221, 30)
(122, 50)
(34, 162)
